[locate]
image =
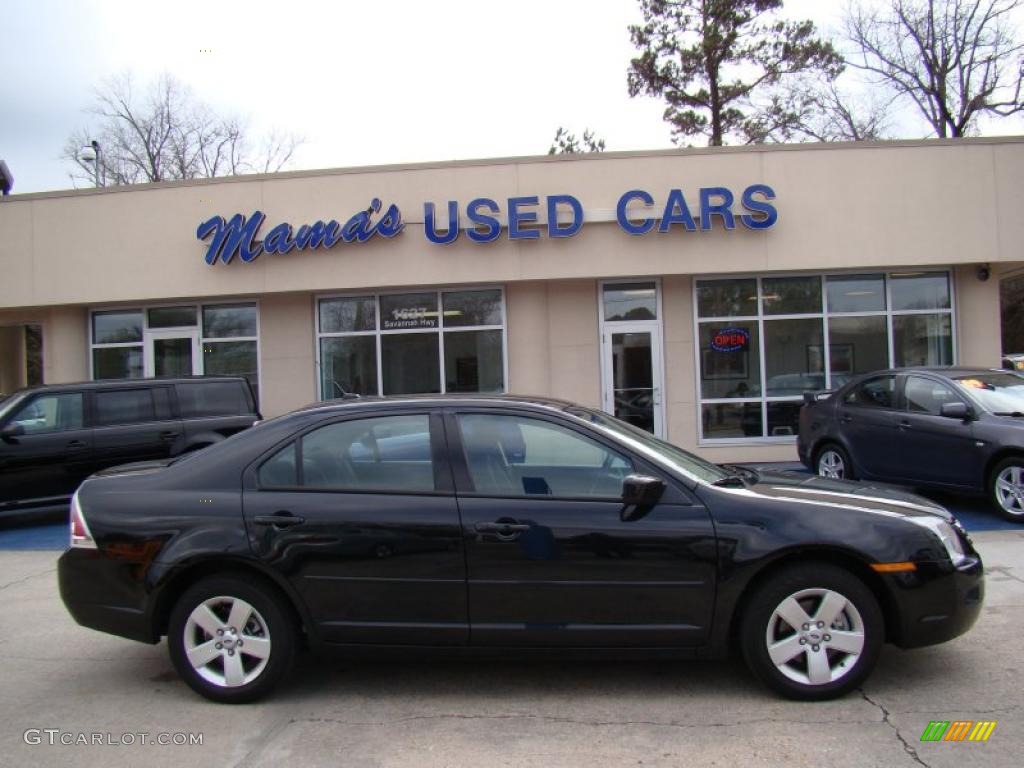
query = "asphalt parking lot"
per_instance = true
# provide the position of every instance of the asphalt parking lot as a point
(61, 677)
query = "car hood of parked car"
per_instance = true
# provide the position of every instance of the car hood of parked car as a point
(867, 497)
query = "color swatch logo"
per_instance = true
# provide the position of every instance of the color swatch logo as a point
(958, 730)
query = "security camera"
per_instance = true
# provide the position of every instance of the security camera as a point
(983, 272)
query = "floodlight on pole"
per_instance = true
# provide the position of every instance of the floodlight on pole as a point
(92, 154)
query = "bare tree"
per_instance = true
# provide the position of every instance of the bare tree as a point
(816, 110)
(566, 143)
(954, 59)
(165, 133)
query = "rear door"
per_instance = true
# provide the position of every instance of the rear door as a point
(47, 462)
(134, 424)
(550, 561)
(867, 419)
(360, 515)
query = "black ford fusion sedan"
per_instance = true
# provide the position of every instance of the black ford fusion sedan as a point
(501, 524)
(958, 429)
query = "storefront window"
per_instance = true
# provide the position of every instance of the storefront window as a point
(868, 322)
(348, 365)
(923, 339)
(630, 301)
(126, 343)
(425, 342)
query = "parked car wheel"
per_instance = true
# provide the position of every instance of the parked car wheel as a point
(833, 461)
(231, 640)
(1006, 488)
(812, 632)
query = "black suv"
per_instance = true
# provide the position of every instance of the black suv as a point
(53, 437)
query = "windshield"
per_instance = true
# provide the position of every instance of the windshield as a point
(1001, 393)
(8, 402)
(645, 442)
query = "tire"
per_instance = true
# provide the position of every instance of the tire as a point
(784, 658)
(832, 460)
(1006, 488)
(262, 637)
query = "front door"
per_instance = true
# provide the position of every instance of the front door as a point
(931, 447)
(549, 560)
(632, 375)
(172, 353)
(53, 453)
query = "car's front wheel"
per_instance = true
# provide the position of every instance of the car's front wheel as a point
(834, 462)
(231, 640)
(812, 632)
(1006, 488)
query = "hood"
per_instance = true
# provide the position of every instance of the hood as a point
(865, 497)
(135, 468)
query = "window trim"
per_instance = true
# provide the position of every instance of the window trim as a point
(378, 333)
(824, 315)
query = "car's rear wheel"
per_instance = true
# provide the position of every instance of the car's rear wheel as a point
(1006, 488)
(231, 640)
(834, 462)
(812, 632)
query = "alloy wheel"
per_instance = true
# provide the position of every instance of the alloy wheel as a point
(814, 636)
(226, 641)
(831, 464)
(1010, 489)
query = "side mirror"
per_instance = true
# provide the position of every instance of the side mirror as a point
(12, 431)
(957, 410)
(639, 494)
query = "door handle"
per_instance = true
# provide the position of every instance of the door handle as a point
(76, 445)
(846, 418)
(502, 529)
(168, 435)
(903, 425)
(279, 520)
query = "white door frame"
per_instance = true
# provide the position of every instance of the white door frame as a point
(654, 328)
(149, 359)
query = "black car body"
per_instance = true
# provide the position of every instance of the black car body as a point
(490, 523)
(53, 437)
(958, 429)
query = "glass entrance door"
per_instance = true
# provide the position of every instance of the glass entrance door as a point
(633, 386)
(172, 353)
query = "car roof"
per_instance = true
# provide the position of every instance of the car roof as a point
(118, 383)
(452, 400)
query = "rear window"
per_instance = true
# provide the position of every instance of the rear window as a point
(124, 406)
(212, 398)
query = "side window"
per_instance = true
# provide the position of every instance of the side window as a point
(879, 392)
(281, 469)
(51, 413)
(927, 395)
(521, 456)
(211, 398)
(124, 406)
(387, 453)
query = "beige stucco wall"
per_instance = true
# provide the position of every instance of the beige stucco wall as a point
(839, 206)
(287, 353)
(13, 368)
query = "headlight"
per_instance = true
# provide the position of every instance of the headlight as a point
(949, 538)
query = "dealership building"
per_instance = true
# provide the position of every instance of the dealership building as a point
(697, 293)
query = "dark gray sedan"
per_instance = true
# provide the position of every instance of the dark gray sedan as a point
(959, 429)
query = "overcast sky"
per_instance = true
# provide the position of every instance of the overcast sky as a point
(362, 82)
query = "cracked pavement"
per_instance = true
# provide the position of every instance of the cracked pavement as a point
(505, 711)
